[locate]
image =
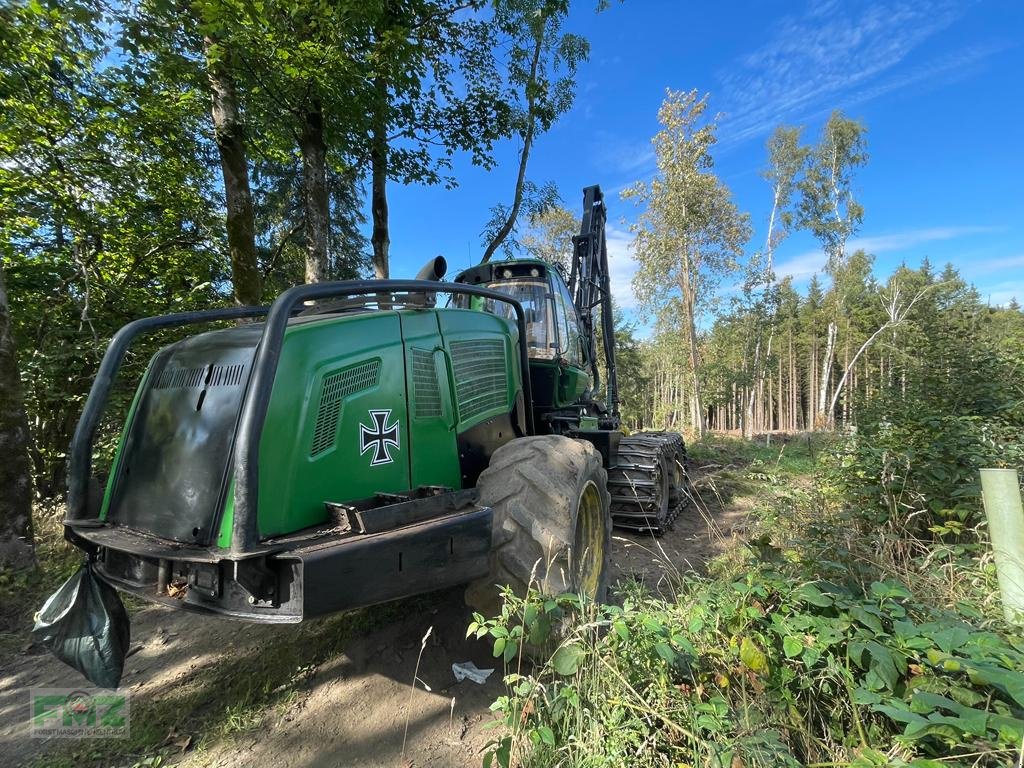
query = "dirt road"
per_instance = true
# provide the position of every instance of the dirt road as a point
(335, 692)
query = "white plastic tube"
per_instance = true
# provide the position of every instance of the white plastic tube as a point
(1000, 490)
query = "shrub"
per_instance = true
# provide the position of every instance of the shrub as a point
(760, 670)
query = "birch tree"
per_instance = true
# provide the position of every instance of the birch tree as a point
(829, 210)
(550, 235)
(786, 160)
(689, 233)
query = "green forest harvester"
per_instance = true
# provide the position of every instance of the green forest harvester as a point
(363, 443)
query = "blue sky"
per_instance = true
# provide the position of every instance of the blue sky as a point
(940, 86)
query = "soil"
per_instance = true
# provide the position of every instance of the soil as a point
(358, 708)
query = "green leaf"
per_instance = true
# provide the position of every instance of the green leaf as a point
(951, 638)
(889, 589)
(504, 752)
(809, 593)
(753, 657)
(499, 647)
(857, 613)
(621, 629)
(546, 735)
(541, 629)
(511, 649)
(566, 660)
(665, 651)
(792, 646)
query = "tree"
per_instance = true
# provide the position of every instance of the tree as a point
(432, 88)
(16, 546)
(109, 206)
(786, 159)
(539, 50)
(832, 214)
(534, 202)
(230, 138)
(690, 232)
(298, 65)
(550, 235)
(897, 305)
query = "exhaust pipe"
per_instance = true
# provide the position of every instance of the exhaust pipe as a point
(434, 269)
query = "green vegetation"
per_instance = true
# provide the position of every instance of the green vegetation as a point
(858, 626)
(821, 643)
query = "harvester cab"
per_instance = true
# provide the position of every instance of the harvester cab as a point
(366, 441)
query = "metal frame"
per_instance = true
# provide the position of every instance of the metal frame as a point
(244, 529)
(590, 283)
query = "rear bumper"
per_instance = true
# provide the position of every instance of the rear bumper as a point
(299, 577)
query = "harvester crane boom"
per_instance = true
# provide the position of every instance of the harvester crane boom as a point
(590, 285)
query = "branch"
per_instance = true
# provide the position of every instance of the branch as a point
(272, 262)
(897, 316)
(510, 222)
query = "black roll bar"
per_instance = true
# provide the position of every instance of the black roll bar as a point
(244, 529)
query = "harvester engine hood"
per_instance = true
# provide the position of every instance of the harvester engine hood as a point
(173, 470)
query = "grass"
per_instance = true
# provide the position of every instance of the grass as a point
(792, 455)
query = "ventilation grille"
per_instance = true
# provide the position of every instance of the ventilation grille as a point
(198, 378)
(424, 384)
(481, 376)
(336, 387)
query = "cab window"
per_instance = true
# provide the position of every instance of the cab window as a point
(541, 340)
(568, 324)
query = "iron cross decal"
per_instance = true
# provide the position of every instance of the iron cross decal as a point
(378, 436)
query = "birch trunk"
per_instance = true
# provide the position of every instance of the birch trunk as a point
(822, 416)
(524, 155)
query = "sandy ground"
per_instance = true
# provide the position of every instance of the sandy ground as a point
(354, 708)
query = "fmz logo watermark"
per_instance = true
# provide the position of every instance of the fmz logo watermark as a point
(378, 437)
(77, 713)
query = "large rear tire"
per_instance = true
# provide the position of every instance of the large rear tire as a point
(552, 525)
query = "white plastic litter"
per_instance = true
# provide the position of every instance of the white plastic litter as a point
(468, 670)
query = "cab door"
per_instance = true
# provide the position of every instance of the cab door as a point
(573, 376)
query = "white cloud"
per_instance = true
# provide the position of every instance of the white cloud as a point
(621, 266)
(836, 52)
(988, 266)
(809, 263)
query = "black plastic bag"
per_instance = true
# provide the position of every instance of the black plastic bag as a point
(85, 625)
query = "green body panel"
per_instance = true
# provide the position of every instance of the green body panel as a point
(344, 383)
(120, 443)
(294, 483)
(407, 348)
(485, 384)
(570, 382)
(227, 518)
(434, 456)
